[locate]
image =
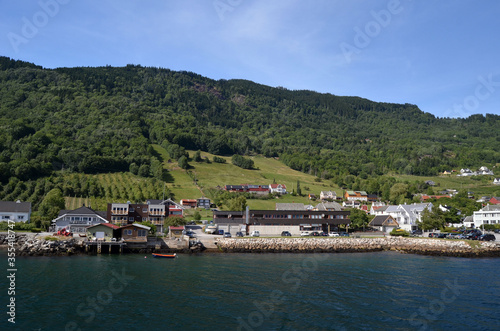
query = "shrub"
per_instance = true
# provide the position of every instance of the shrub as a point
(400, 232)
(51, 238)
(36, 230)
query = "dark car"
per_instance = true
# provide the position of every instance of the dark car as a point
(286, 234)
(315, 234)
(227, 235)
(487, 237)
(441, 235)
(344, 234)
(239, 234)
(433, 235)
(416, 233)
(496, 230)
(323, 234)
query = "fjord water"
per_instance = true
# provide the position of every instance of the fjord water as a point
(363, 291)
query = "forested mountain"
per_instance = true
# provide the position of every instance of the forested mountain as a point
(104, 119)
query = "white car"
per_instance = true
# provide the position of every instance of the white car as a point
(305, 234)
(333, 234)
(255, 234)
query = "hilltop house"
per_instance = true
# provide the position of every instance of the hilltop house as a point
(15, 211)
(277, 188)
(356, 195)
(78, 220)
(328, 195)
(188, 203)
(496, 181)
(203, 203)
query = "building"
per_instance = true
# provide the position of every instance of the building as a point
(127, 213)
(290, 206)
(203, 203)
(356, 196)
(189, 203)
(15, 211)
(134, 233)
(103, 232)
(488, 215)
(328, 195)
(384, 223)
(78, 220)
(273, 222)
(176, 231)
(278, 188)
(329, 206)
(407, 216)
(495, 200)
(496, 181)
(255, 189)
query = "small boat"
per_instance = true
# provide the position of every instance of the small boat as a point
(167, 256)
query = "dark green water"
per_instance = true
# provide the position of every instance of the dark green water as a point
(368, 291)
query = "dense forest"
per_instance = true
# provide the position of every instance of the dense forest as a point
(94, 120)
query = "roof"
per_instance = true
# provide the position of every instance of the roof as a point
(290, 206)
(176, 227)
(15, 206)
(329, 205)
(136, 225)
(277, 185)
(381, 220)
(82, 211)
(491, 208)
(109, 225)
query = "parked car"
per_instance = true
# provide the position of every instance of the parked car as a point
(239, 234)
(255, 234)
(442, 235)
(487, 237)
(415, 233)
(496, 230)
(286, 234)
(305, 233)
(344, 234)
(315, 234)
(453, 236)
(333, 234)
(323, 234)
(433, 235)
(227, 234)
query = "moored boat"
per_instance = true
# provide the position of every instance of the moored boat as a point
(167, 256)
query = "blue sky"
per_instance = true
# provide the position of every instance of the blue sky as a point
(442, 55)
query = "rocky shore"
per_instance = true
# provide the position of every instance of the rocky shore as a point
(423, 246)
(37, 245)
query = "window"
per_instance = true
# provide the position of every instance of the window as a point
(20, 217)
(6, 217)
(131, 219)
(142, 233)
(131, 210)
(128, 232)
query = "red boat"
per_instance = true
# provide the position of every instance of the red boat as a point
(166, 256)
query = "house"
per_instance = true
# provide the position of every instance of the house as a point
(351, 204)
(312, 196)
(78, 220)
(425, 197)
(102, 231)
(405, 215)
(328, 195)
(384, 223)
(375, 206)
(134, 233)
(256, 189)
(372, 197)
(495, 200)
(431, 182)
(15, 211)
(468, 222)
(188, 203)
(328, 206)
(127, 213)
(175, 231)
(485, 171)
(496, 181)
(277, 188)
(488, 215)
(356, 196)
(203, 203)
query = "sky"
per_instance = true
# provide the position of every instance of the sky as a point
(442, 56)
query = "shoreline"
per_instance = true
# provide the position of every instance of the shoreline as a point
(28, 244)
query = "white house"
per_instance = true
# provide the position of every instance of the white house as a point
(16, 211)
(324, 195)
(488, 215)
(78, 220)
(406, 216)
(277, 188)
(496, 181)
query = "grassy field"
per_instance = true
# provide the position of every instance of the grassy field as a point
(122, 187)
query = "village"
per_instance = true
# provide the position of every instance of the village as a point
(328, 215)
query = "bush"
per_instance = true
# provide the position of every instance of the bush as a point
(219, 159)
(51, 238)
(36, 230)
(400, 233)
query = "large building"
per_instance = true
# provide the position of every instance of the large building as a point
(273, 222)
(154, 211)
(488, 215)
(15, 211)
(78, 220)
(407, 216)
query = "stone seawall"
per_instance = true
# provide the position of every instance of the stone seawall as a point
(345, 245)
(34, 244)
